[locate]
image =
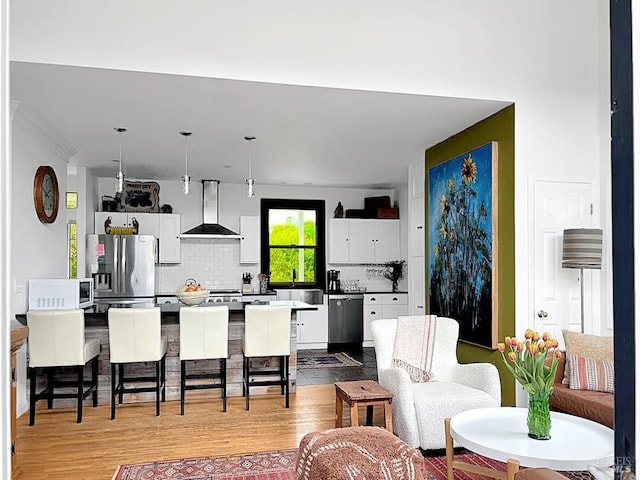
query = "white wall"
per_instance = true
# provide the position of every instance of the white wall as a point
(549, 58)
(215, 263)
(37, 250)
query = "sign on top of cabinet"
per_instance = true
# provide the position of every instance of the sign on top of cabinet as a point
(358, 240)
(164, 226)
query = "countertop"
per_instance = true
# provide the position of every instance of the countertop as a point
(171, 310)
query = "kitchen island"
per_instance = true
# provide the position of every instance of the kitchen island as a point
(96, 326)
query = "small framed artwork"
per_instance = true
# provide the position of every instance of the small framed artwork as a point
(72, 199)
(462, 240)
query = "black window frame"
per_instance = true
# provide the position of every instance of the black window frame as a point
(318, 206)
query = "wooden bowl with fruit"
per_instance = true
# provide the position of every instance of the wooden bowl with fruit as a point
(192, 293)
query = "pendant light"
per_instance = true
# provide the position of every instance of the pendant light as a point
(250, 182)
(186, 178)
(120, 175)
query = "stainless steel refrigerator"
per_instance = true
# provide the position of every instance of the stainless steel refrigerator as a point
(122, 267)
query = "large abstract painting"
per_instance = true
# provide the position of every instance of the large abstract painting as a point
(462, 239)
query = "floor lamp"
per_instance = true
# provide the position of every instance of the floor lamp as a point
(582, 248)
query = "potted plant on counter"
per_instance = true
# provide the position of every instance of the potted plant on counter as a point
(394, 272)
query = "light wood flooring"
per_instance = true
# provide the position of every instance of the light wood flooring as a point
(59, 448)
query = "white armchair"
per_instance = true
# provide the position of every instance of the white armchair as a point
(419, 409)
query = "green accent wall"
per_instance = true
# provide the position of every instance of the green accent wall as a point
(498, 127)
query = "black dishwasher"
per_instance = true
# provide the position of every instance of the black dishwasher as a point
(345, 321)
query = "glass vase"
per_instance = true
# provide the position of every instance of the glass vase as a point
(394, 286)
(538, 417)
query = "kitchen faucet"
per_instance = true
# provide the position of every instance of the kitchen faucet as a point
(293, 278)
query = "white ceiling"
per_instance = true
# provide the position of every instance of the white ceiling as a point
(305, 135)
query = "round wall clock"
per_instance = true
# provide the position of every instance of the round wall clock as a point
(46, 197)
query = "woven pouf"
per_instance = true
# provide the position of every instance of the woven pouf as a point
(357, 453)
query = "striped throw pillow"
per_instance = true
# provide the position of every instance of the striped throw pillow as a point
(587, 373)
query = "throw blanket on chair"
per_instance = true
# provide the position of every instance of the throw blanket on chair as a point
(413, 348)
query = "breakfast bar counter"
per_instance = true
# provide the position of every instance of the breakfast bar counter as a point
(96, 326)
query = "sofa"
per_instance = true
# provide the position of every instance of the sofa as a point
(596, 406)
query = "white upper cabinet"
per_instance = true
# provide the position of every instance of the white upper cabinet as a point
(249, 239)
(416, 179)
(359, 240)
(338, 241)
(169, 250)
(416, 226)
(164, 226)
(417, 236)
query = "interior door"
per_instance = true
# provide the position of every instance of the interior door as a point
(558, 206)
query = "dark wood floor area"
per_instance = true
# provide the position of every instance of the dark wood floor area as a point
(318, 376)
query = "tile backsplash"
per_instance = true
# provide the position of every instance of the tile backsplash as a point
(215, 264)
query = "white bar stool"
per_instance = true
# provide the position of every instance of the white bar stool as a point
(204, 335)
(267, 333)
(135, 336)
(56, 339)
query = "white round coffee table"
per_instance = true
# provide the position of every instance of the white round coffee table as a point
(501, 434)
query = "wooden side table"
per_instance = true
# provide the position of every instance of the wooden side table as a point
(363, 393)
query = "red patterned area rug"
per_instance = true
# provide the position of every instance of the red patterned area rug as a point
(280, 465)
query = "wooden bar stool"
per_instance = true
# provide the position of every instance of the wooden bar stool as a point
(267, 333)
(204, 335)
(134, 337)
(56, 339)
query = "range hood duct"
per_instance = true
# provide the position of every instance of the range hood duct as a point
(210, 228)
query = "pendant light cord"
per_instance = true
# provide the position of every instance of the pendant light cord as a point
(250, 140)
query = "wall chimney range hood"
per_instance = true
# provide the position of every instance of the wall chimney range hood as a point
(210, 228)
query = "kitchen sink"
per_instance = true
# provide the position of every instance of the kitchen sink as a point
(312, 296)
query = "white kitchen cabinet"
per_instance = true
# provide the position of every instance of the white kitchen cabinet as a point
(372, 310)
(416, 227)
(365, 240)
(313, 327)
(147, 222)
(416, 179)
(164, 226)
(417, 286)
(249, 239)
(169, 246)
(338, 241)
(381, 305)
(417, 237)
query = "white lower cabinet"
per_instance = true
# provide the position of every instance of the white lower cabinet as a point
(313, 327)
(381, 305)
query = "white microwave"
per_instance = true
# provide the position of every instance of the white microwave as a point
(60, 293)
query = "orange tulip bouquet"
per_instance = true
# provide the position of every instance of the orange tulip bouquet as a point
(526, 362)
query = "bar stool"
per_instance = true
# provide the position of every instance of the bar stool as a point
(204, 334)
(267, 333)
(56, 339)
(134, 337)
